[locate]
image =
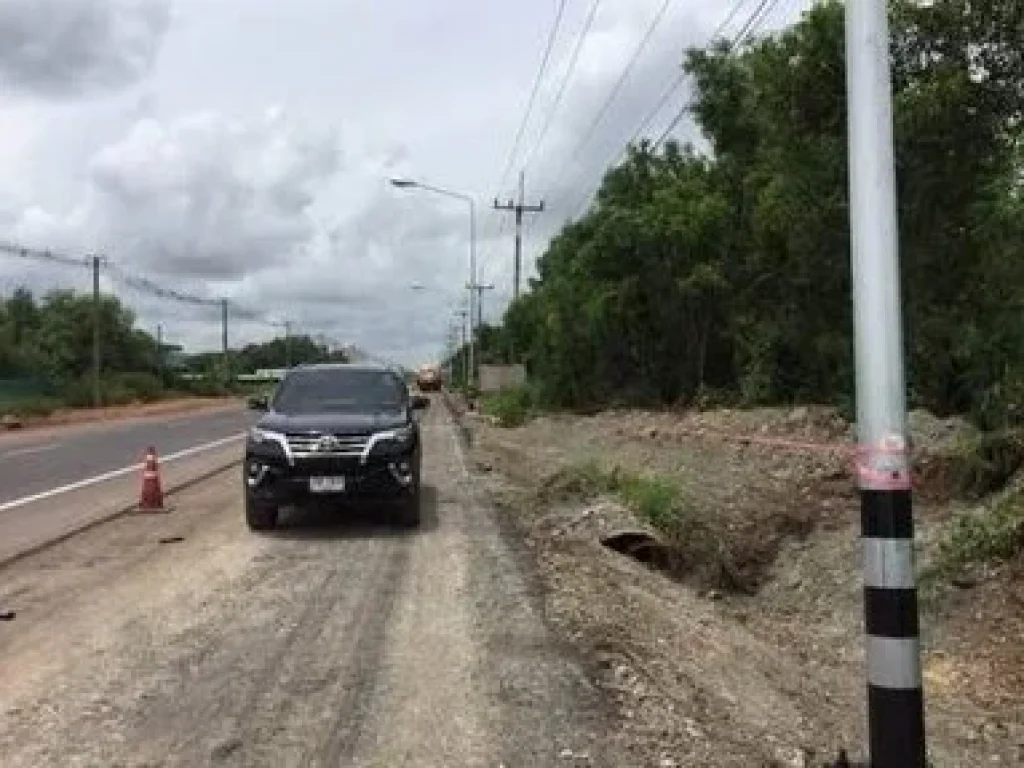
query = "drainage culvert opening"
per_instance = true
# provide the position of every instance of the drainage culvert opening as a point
(646, 549)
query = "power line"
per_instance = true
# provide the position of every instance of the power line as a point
(549, 47)
(680, 78)
(759, 12)
(627, 70)
(651, 28)
(135, 282)
(43, 255)
(754, 21)
(570, 69)
(541, 71)
(669, 92)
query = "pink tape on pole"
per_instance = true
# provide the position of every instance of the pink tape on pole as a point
(884, 466)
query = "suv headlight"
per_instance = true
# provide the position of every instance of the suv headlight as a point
(399, 436)
(259, 435)
(394, 439)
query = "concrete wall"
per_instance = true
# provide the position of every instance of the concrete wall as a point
(494, 378)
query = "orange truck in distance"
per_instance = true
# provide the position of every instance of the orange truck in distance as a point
(429, 378)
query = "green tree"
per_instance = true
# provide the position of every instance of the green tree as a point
(732, 271)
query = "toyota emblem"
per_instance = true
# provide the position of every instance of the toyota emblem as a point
(328, 443)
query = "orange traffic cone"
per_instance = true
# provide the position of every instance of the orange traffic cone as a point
(152, 497)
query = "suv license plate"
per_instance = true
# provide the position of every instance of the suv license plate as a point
(326, 484)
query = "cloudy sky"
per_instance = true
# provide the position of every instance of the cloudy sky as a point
(242, 148)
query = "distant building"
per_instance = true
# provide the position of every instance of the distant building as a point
(174, 357)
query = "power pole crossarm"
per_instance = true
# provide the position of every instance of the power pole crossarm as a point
(519, 207)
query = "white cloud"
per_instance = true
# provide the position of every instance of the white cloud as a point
(252, 158)
(67, 47)
(210, 196)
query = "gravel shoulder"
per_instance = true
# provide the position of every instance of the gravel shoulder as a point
(758, 660)
(326, 643)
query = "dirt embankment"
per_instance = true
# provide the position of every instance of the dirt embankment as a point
(72, 416)
(733, 635)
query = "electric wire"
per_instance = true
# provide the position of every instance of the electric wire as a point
(752, 23)
(538, 79)
(581, 39)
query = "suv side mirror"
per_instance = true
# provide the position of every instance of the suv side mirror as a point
(419, 402)
(258, 403)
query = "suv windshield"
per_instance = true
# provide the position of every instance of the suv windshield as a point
(339, 390)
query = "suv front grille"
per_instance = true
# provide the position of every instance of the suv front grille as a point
(307, 444)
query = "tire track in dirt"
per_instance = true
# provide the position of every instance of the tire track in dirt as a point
(230, 707)
(269, 673)
(353, 698)
(198, 693)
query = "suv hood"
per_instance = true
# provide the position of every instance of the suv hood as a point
(335, 423)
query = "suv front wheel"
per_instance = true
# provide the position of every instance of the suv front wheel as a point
(408, 513)
(260, 517)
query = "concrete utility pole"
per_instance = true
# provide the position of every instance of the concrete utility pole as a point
(450, 350)
(224, 336)
(519, 207)
(896, 730)
(160, 348)
(287, 343)
(479, 289)
(466, 364)
(97, 393)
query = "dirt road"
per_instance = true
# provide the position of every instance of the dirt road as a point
(326, 643)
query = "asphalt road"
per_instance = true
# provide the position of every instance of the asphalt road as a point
(33, 463)
(333, 641)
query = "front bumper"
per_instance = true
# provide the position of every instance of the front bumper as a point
(385, 478)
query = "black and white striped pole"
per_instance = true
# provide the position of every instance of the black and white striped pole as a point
(896, 731)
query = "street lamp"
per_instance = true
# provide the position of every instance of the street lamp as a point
(403, 183)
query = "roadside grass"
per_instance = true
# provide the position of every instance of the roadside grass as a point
(655, 499)
(991, 535)
(31, 406)
(511, 407)
(117, 390)
(974, 467)
(698, 552)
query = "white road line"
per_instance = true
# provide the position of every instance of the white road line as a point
(30, 450)
(79, 484)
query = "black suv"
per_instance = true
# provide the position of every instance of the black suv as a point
(334, 432)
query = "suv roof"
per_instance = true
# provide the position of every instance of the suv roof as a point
(365, 367)
(341, 367)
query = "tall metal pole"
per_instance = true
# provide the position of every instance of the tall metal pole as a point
(224, 327)
(160, 349)
(478, 290)
(896, 730)
(453, 345)
(471, 373)
(288, 344)
(406, 183)
(518, 266)
(465, 359)
(97, 394)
